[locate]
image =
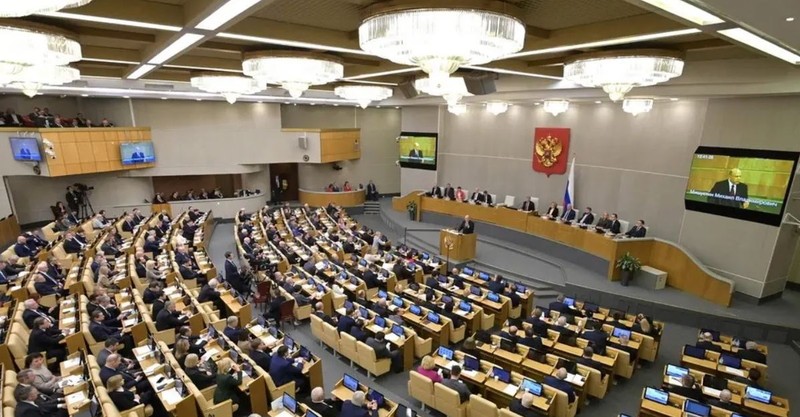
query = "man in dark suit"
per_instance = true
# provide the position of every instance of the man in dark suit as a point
(169, 318)
(359, 407)
(638, 230)
(496, 284)
(415, 154)
(559, 382)
(588, 360)
(128, 224)
(151, 245)
(457, 385)
(372, 191)
(346, 322)
(101, 331)
(357, 331)
(587, 217)
(26, 402)
(51, 404)
(378, 344)
(137, 157)
(371, 277)
(33, 311)
(558, 305)
(538, 325)
(569, 214)
(449, 192)
(530, 340)
(45, 338)
(724, 401)
(528, 205)
(466, 226)
(320, 405)
(71, 244)
(524, 406)
(510, 334)
(259, 355)
(687, 388)
(435, 192)
(22, 249)
(486, 198)
(730, 192)
(232, 329)
(613, 224)
(706, 342)
(284, 369)
(751, 353)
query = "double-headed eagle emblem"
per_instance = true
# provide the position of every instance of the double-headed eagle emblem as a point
(548, 150)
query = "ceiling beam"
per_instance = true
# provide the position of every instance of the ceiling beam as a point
(266, 28)
(110, 53)
(702, 44)
(137, 10)
(537, 32)
(91, 32)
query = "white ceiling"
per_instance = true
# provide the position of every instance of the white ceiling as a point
(765, 16)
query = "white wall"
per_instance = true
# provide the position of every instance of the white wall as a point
(421, 119)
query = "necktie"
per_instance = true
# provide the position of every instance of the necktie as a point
(733, 189)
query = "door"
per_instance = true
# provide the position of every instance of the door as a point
(284, 182)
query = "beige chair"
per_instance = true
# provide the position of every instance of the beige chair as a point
(278, 391)
(505, 412)
(487, 321)
(448, 401)
(596, 384)
(515, 312)
(480, 407)
(316, 329)
(623, 366)
(421, 389)
(347, 347)
(422, 346)
(457, 334)
(369, 361)
(331, 337)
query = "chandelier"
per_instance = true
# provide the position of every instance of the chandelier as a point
(452, 89)
(618, 72)
(457, 109)
(39, 57)
(19, 8)
(441, 37)
(635, 106)
(229, 86)
(496, 107)
(293, 71)
(363, 94)
(556, 107)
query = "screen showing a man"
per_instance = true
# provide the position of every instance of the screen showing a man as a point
(25, 149)
(416, 153)
(417, 150)
(730, 192)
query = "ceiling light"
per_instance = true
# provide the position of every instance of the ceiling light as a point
(176, 47)
(110, 61)
(618, 72)
(598, 102)
(163, 98)
(293, 71)
(556, 107)
(294, 44)
(33, 78)
(451, 88)
(608, 42)
(440, 40)
(497, 107)
(139, 72)
(17, 8)
(335, 105)
(225, 13)
(380, 74)
(126, 96)
(635, 106)
(196, 68)
(84, 95)
(229, 86)
(363, 94)
(457, 109)
(673, 99)
(537, 104)
(686, 11)
(111, 21)
(198, 99)
(35, 44)
(790, 19)
(763, 45)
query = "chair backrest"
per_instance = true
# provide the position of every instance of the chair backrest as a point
(624, 225)
(478, 406)
(509, 201)
(505, 412)
(287, 309)
(420, 387)
(494, 198)
(365, 352)
(447, 400)
(535, 202)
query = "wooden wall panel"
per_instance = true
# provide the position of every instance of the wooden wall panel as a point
(9, 230)
(86, 151)
(340, 145)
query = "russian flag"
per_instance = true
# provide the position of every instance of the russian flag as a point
(569, 192)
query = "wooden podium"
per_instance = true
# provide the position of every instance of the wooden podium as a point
(461, 247)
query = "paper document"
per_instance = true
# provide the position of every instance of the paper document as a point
(150, 369)
(68, 321)
(450, 364)
(375, 328)
(510, 389)
(76, 397)
(734, 371)
(469, 373)
(392, 337)
(71, 363)
(711, 392)
(171, 396)
(461, 312)
(575, 379)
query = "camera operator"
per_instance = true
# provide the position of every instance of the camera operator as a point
(73, 199)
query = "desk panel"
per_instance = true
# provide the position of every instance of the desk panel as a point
(321, 198)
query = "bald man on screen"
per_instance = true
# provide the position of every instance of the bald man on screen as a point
(730, 192)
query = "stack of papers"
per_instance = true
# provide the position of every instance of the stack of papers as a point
(76, 397)
(171, 396)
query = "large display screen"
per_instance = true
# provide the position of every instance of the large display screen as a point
(137, 153)
(746, 184)
(417, 150)
(25, 149)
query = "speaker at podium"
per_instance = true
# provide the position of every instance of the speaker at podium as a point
(457, 246)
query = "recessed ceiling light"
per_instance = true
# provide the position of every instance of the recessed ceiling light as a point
(285, 102)
(225, 13)
(126, 96)
(335, 105)
(144, 69)
(260, 101)
(673, 99)
(313, 104)
(110, 21)
(397, 107)
(790, 19)
(377, 107)
(199, 99)
(84, 95)
(598, 102)
(176, 47)
(163, 98)
(537, 103)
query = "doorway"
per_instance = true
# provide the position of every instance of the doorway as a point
(284, 182)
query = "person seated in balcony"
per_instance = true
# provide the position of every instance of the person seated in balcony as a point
(347, 187)
(106, 123)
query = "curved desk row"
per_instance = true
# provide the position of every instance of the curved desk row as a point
(322, 198)
(225, 208)
(684, 271)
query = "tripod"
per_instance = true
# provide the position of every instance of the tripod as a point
(85, 206)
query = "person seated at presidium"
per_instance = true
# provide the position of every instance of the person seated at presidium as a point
(638, 230)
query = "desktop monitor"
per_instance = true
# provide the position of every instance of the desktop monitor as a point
(288, 342)
(212, 332)
(363, 312)
(621, 332)
(384, 273)
(415, 310)
(380, 321)
(376, 396)
(247, 368)
(397, 301)
(354, 280)
(592, 308)
(471, 363)
(305, 353)
(694, 352)
(234, 355)
(261, 321)
(507, 345)
(676, 371)
(467, 271)
(521, 288)
(653, 394)
(382, 294)
(25, 149)
(398, 330)
(501, 374)
(475, 290)
(320, 288)
(570, 366)
(730, 361)
(433, 317)
(180, 387)
(289, 403)
(695, 408)
(425, 256)
(484, 276)
(493, 297)
(465, 306)
(273, 331)
(446, 299)
(311, 413)
(537, 355)
(350, 383)
(348, 305)
(756, 394)
(343, 275)
(531, 386)
(223, 344)
(363, 262)
(442, 279)
(569, 301)
(446, 352)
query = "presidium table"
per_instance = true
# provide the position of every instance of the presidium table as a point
(686, 273)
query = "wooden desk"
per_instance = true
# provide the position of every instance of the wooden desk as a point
(342, 393)
(457, 246)
(322, 198)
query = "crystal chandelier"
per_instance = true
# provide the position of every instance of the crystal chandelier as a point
(293, 71)
(556, 107)
(229, 86)
(635, 106)
(440, 38)
(496, 107)
(451, 88)
(363, 94)
(39, 57)
(618, 72)
(19, 8)
(457, 109)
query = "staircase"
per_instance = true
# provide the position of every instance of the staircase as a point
(372, 207)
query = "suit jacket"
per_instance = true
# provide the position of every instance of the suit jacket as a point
(516, 407)
(692, 393)
(528, 205)
(232, 333)
(283, 371)
(25, 409)
(752, 355)
(169, 320)
(735, 199)
(450, 193)
(350, 410)
(28, 316)
(358, 333)
(124, 400)
(227, 387)
(466, 227)
(22, 251)
(261, 358)
(323, 409)
(345, 324)
(598, 340)
(45, 288)
(586, 218)
(728, 406)
(72, 246)
(709, 346)
(561, 385)
(187, 273)
(458, 386)
(614, 226)
(127, 226)
(436, 191)
(44, 340)
(101, 332)
(552, 212)
(207, 293)
(415, 153)
(381, 352)
(637, 231)
(200, 378)
(531, 342)
(569, 215)
(152, 247)
(109, 250)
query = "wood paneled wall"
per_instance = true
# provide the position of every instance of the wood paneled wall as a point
(227, 183)
(340, 144)
(9, 230)
(89, 151)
